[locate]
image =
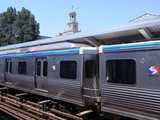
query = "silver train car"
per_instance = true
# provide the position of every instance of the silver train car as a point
(130, 79)
(119, 80)
(122, 79)
(57, 73)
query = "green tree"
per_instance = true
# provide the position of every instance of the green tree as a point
(26, 25)
(7, 28)
(18, 26)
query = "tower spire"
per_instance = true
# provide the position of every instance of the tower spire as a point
(72, 7)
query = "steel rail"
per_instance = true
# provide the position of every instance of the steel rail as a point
(28, 109)
(13, 112)
(8, 111)
(65, 114)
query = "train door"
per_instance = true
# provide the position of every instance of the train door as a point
(8, 70)
(41, 73)
(90, 79)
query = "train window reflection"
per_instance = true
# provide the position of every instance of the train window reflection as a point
(68, 69)
(121, 71)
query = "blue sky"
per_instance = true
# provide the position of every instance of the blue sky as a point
(93, 15)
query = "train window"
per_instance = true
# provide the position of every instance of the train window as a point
(45, 68)
(68, 69)
(8, 66)
(6, 69)
(121, 71)
(39, 68)
(90, 68)
(22, 67)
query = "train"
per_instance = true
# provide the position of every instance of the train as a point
(117, 79)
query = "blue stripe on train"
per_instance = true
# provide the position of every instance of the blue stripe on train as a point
(131, 46)
(42, 53)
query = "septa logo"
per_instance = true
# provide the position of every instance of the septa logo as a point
(154, 70)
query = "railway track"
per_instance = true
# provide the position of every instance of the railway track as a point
(26, 106)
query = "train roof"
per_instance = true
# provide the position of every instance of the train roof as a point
(46, 47)
(133, 32)
(130, 46)
(70, 51)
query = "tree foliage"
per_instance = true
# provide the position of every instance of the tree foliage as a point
(17, 26)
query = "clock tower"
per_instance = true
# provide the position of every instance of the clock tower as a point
(72, 24)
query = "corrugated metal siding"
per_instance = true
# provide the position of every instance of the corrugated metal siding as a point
(132, 98)
(66, 89)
